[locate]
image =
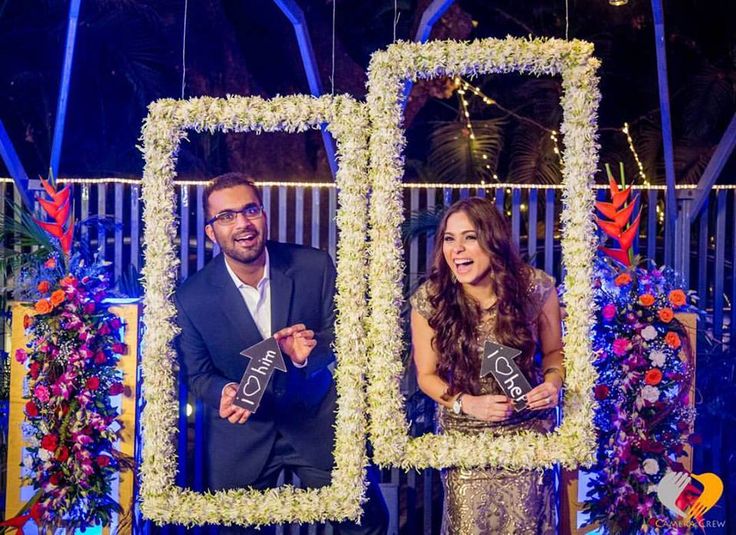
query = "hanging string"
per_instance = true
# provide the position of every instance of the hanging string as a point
(396, 18)
(184, 49)
(567, 20)
(332, 76)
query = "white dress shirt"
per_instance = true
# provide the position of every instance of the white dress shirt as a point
(258, 298)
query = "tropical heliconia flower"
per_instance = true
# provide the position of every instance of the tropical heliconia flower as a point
(619, 225)
(58, 209)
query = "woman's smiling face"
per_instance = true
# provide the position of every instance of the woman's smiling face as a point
(469, 262)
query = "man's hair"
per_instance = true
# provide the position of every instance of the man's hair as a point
(228, 180)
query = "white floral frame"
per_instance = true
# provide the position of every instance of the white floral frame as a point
(164, 128)
(573, 443)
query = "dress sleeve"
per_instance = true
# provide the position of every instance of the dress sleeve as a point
(420, 301)
(540, 287)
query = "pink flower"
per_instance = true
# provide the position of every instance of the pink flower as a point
(120, 349)
(116, 388)
(42, 393)
(620, 346)
(100, 358)
(608, 312)
(21, 355)
(88, 307)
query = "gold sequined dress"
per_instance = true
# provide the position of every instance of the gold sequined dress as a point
(488, 501)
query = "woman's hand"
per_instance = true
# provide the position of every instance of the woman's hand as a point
(545, 395)
(489, 408)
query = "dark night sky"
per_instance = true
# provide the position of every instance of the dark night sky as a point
(129, 53)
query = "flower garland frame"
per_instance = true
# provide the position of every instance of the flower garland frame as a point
(163, 130)
(574, 441)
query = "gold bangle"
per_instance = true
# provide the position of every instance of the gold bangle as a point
(555, 369)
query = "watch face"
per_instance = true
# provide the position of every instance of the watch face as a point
(456, 407)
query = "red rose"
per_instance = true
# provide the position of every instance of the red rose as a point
(666, 315)
(50, 442)
(43, 286)
(116, 388)
(62, 454)
(31, 410)
(93, 383)
(103, 460)
(601, 392)
(120, 349)
(34, 370)
(653, 377)
(100, 358)
(55, 478)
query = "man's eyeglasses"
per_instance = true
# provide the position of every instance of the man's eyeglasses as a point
(228, 217)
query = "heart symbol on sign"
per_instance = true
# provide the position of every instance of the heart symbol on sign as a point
(503, 367)
(252, 386)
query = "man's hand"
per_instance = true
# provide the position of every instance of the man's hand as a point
(233, 413)
(297, 342)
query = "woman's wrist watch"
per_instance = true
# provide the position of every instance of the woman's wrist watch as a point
(457, 405)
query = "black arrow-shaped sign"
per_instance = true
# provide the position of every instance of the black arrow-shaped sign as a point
(265, 357)
(499, 360)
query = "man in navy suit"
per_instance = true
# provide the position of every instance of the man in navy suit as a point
(253, 290)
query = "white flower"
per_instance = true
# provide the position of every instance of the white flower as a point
(164, 129)
(574, 441)
(651, 466)
(28, 461)
(649, 332)
(650, 393)
(657, 358)
(44, 455)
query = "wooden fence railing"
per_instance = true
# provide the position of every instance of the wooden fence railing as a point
(305, 214)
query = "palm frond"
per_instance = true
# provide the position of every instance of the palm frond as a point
(456, 157)
(533, 159)
(422, 222)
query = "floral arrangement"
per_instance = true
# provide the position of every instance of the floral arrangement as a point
(74, 342)
(644, 364)
(162, 500)
(574, 441)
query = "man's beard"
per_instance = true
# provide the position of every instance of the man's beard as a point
(241, 254)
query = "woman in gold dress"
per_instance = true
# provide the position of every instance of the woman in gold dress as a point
(479, 289)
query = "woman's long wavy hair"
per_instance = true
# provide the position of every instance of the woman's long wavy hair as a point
(456, 315)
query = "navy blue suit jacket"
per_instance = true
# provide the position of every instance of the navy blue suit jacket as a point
(299, 404)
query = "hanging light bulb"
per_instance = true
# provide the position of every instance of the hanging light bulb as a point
(618, 3)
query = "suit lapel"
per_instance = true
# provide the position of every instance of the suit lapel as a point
(282, 289)
(232, 304)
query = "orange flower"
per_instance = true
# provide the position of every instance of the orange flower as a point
(646, 299)
(672, 340)
(43, 286)
(68, 280)
(43, 306)
(57, 297)
(653, 376)
(677, 298)
(666, 315)
(50, 263)
(622, 279)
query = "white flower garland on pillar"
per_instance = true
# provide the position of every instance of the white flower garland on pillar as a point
(164, 128)
(574, 441)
